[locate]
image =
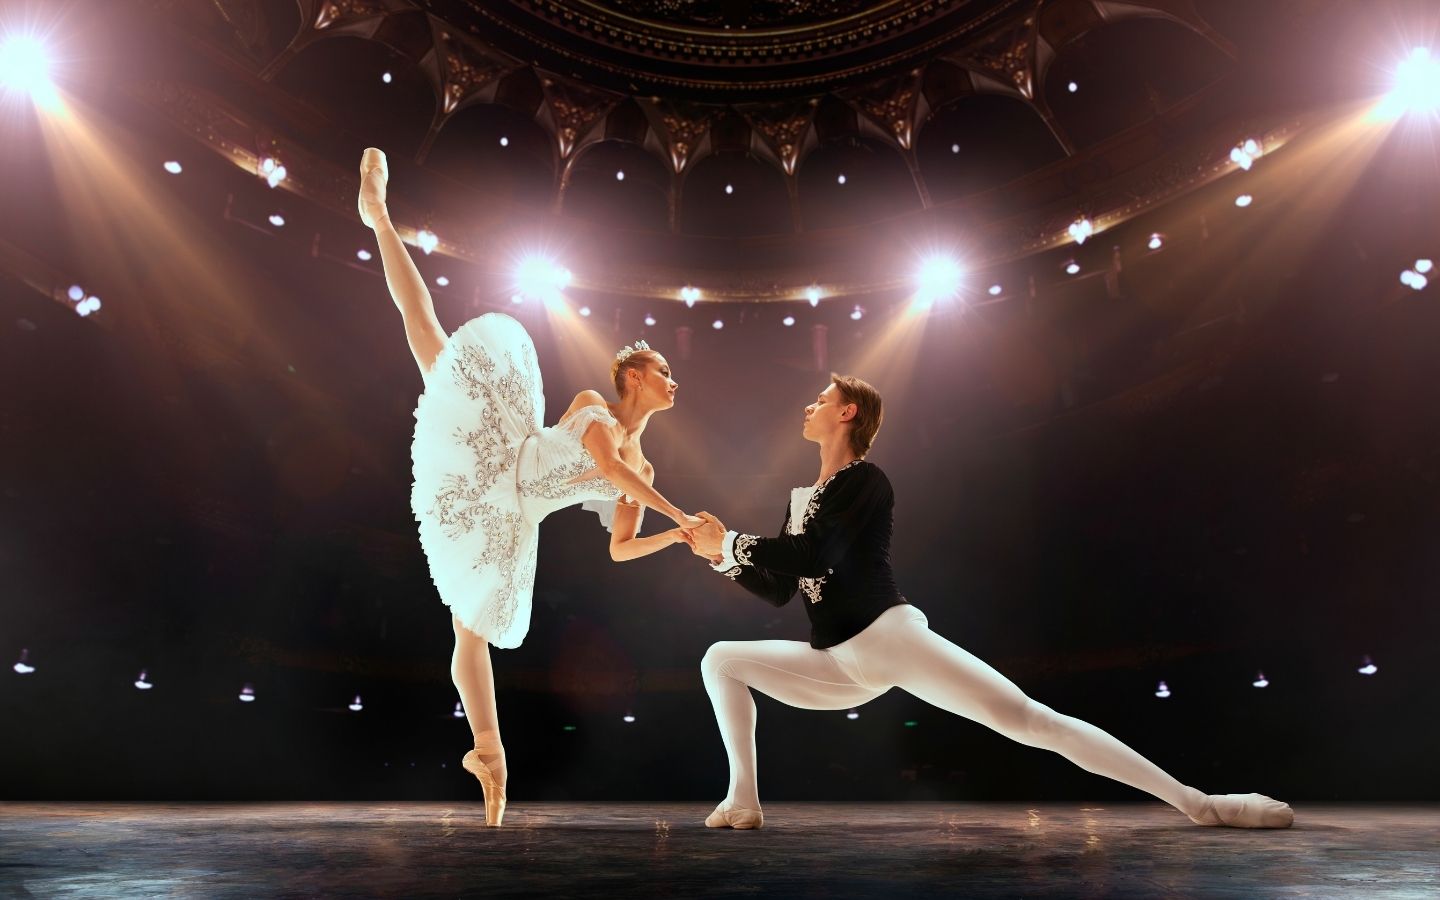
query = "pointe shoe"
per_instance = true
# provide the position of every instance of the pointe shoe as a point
(726, 816)
(1244, 811)
(494, 790)
(374, 175)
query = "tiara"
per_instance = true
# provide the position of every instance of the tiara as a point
(625, 351)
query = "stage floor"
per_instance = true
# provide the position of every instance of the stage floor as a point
(663, 850)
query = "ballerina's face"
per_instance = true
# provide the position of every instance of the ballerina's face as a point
(827, 415)
(654, 383)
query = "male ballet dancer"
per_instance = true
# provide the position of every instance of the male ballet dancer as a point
(865, 638)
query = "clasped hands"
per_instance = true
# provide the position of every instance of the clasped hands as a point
(708, 539)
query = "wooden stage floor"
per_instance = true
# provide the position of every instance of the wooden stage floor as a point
(662, 850)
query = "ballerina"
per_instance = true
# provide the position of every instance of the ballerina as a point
(834, 548)
(487, 471)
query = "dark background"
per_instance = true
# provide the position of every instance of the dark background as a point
(1221, 460)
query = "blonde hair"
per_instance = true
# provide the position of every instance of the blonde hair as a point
(636, 361)
(869, 411)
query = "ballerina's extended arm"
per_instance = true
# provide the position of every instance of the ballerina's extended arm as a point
(600, 441)
(422, 329)
(625, 542)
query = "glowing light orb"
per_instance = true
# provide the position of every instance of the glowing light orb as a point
(363, 255)
(996, 290)
(788, 321)
(628, 719)
(1244, 200)
(852, 715)
(840, 179)
(1156, 242)
(812, 293)
(939, 277)
(689, 294)
(22, 666)
(141, 683)
(442, 281)
(1072, 268)
(247, 694)
(717, 324)
(857, 313)
(428, 240)
(585, 311)
(729, 188)
(1260, 681)
(277, 220)
(356, 705)
(25, 68)
(504, 141)
(1081, 229)
(459, 712)
(174, 168)
(76, 293)
(1417, 85)
(1162, 690)
(1423, 266)
(649, 321)
(1368, 668)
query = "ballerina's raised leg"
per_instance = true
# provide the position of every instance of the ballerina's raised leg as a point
(470, 663)
(900, 650)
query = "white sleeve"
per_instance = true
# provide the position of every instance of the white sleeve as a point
(727, 549)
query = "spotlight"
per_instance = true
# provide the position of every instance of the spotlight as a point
(277, 220)
(1072, 268)
(717, 324)
(1423, 266)
(996, 290)
(272, 171)
(857, 313)
(141, 683)
(853, 714)
(1417, 85)
(87, 306)
(939, 277)
(1367, 669)
(459, 712)
(812, 293)
(1162, 690)
(1081, 229)
(76, 293)
(1072, 87)
(620, 175)
(788, 321)
(442, 281)
(649, 321)
(387, 78)
(1413, 280)
(689, 294)
(247, 694)
(1156, 241)
(542, 278)
(363, 255)
(356, 705)
(729, 188)
(174, 168)
(954, 148)
(840, 179)
(22, 666)
(628, 718)
(504, 141)
(585, 311)
(1260, 681)
(1244, 200)
(427, 240)
(25, 67)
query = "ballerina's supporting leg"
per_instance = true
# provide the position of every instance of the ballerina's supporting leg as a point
(793, 673)
(941, 673)
(475, 680)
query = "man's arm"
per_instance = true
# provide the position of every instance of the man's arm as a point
(774, 588)
(847, 506)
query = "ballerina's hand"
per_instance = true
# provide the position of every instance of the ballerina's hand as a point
(690, 523)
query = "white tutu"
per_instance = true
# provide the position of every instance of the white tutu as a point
(486, 473)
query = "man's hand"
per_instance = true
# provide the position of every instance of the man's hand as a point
(708, 540)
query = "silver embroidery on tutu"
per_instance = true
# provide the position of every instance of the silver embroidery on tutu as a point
(486, 472)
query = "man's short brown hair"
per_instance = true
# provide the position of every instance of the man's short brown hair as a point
(869, 411)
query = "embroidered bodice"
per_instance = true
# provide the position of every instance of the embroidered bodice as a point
(555, 469)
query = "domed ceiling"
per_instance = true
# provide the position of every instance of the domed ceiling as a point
(748, 137)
